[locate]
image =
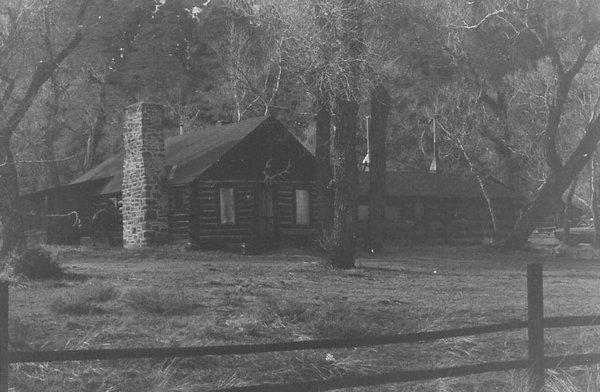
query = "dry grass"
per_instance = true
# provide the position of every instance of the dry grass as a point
(150, 298)
(157, 301)
(86, 299)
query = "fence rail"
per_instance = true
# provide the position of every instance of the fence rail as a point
(536, 361)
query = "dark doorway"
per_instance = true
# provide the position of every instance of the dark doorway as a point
(267, 231)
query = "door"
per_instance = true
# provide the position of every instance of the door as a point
(266, 216)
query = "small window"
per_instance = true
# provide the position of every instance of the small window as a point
(363, 213)
(302, 207)
(227, 205)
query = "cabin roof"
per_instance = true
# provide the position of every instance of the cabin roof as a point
(441, 185)
(187, 156)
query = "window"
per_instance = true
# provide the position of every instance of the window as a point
(302, 207)
(363, 213)
(226, 197)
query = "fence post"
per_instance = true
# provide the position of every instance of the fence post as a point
(4, 336)
(535, 329)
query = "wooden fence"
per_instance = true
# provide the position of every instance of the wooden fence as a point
(536, 362)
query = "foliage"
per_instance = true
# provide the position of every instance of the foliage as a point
(227, 60)
(37, 263)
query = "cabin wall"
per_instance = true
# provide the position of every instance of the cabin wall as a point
(179, 212)
(205, 225)
(441, 219)
(251, 219)
(286, 208)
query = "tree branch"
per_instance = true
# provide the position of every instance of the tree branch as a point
(44, 71)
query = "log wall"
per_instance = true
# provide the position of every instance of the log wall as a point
(205, 220)
(442, 219)
(286, 210)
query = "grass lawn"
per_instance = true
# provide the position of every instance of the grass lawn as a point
(170, 297)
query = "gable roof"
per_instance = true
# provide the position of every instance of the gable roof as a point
(187, 156)
(425, 184)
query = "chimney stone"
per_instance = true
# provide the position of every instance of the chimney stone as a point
(144, 190)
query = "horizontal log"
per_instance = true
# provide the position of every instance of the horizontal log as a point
(206, 200)
(223, 234)
(571, 321)
(299, 231)
(179, 225)
(179, 215)
(565, 361)
(206, 221)
(172, 352)
(384, 378)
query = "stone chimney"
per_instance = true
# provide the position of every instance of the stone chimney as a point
(144, 193)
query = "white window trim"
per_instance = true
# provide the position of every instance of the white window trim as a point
(227, 216)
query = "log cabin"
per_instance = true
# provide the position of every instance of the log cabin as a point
(438, 207)
(245, 182)
(250, 182)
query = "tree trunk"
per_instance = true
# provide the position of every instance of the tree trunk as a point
(510, 165)
(380, 109)
(323, 177)
(341, 246)
(13, 237)
(566, 221)
(548, 197)
(95, 133)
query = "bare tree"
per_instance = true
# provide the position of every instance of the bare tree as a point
(252, 62)
(19, 92)
(567, 46)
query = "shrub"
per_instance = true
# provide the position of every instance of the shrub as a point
(85, 300)
(37, 263)
(153, 300)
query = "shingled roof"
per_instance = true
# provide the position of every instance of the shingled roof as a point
(187, 156)
(441, 185)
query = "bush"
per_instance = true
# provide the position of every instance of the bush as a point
(85, 300)
(37, 263)
(153, 300)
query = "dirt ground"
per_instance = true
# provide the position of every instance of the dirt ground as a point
(172, 297)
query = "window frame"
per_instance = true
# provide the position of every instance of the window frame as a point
(308, 199)
(364, 213)
(233, 206)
